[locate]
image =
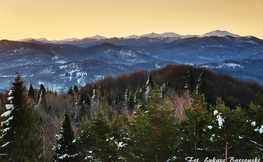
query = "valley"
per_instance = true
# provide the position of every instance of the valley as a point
(61, 64)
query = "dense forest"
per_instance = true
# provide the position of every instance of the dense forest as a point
(167, 114)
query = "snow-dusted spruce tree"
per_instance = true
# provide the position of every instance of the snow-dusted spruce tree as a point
(152, 130)
(191, 132)
(92, 142)
(229, 132)
(65, 149)
(18, 130)
(41, 98)
(42, 91)
(255, 126)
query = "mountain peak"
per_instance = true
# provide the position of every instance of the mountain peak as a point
(219, 33)
(70, 39)
(132, 37)
(98, 37)
(164, 35)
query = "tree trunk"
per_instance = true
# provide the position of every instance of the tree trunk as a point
(226, 148)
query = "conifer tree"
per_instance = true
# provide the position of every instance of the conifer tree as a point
(259, 99)
(192, 131)
(126, 96)
(70, 91)
(76, 89)
(102, 92)
(31, 92)
(41, 97)
(83, 112)
(131, 102)
(117, 138)
(65, 149)
(254, 124)
(117, 99)
(92, 141)
(94, 98)
(190, 81)
(150, 81)
(109, 99)
(87, 99)
(152, 130)
(129, 99)
(42, 91)
(229, 132)
(20, 141)
(148, 87)
(137, 96)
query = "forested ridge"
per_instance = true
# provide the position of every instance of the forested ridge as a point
(166, 114)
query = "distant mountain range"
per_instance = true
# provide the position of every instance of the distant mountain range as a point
(151, 35)
(64, 63)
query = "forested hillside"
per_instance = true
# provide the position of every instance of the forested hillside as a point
(163, 115)
(177, 77)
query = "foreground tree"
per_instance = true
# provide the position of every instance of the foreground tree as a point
(65, 149)
(230, 133)
(152, 130)
(254, 124)
(93, 139)
(192, 133)
(20, 142)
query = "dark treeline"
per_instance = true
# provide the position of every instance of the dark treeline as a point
(233, 91)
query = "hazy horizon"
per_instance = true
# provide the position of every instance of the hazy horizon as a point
(57, 20)
(124, 36)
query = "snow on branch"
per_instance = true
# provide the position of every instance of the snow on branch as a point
(220, 119)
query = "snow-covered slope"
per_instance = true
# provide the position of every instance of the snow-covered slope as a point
(164, 35)
(68, 40)
(248, 70)
(219, 33)
(58, 77)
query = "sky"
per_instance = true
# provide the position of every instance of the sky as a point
(62, 19)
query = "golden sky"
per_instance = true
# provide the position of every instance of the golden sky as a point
(61, 19)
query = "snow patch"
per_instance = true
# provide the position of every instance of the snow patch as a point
(6, 122)
(9, 106)
(7, 113)
(4, 145)
(260, 130)
(215, 112)
(219, 118)
(157, 66)
(98, 77)
(63, 156)
(224, 65)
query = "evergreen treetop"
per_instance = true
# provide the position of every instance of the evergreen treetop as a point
(152, 130)
(70, 91)
(20, 142)
(65, 149)
(31, 92)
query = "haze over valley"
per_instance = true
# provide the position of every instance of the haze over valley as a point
(63, 63)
